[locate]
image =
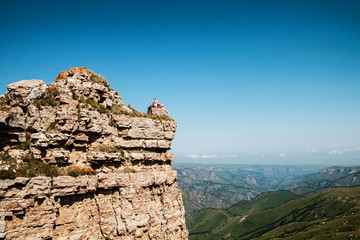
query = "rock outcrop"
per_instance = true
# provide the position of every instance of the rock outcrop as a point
(77, 163)
(156, 111)
(24, 92)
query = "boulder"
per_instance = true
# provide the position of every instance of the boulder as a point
(78, 71)
(24, 92)
(156, 111)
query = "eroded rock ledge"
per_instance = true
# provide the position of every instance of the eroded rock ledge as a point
(121, 185)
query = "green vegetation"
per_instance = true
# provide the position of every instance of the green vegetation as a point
(222, 186)
(129, 170)
(25, 145)
(99, 107)
(33, 167)
(6, 160)
(97, 78)
(50, 99)
(209, 219)
(110, 149)
(162, 117)
(7, 174)
(263, 201)
(113, 124)
(53, 124)
(117, 109)
(3, 104)
(30, 167)
(82, 100)
(95, 105)
(328, 178)
(79, 171)
(330, 214)
(74, 95)
(305, 192)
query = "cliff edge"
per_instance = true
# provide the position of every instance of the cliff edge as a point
(78, 163)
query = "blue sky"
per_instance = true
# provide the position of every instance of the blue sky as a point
(247, 81)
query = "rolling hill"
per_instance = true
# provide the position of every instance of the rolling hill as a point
(221, 186)
(329, 214)
(263, 201)
(331, 177)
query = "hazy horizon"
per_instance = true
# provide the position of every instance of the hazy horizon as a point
(341, 158)
(247, 81)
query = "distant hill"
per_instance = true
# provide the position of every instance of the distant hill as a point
(208, 219)
(331, 177)
(263, 201)
(221, 186)
(329, 214)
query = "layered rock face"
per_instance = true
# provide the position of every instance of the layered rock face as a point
(77, 163)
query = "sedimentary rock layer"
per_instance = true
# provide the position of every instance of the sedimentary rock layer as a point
(144, 205)
(83, 165)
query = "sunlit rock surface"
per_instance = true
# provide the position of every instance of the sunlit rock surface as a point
(121, 185)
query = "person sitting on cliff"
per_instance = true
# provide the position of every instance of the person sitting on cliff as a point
(154, 103)
(161, 106)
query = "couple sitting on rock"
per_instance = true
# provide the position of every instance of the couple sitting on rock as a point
(157, 105)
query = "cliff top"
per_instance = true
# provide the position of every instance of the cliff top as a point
(77, 125)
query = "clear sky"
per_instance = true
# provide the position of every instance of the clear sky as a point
(247, 81)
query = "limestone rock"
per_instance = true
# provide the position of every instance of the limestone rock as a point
(24, 92)
(73, 72)
(156, 111)
(72, 207)
(115, 178)
(3, 117)
(39, 140)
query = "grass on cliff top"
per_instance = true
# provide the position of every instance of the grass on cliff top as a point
(117, 109)
(97, 78)
(50, 99)
(163, 117)
(97, 106)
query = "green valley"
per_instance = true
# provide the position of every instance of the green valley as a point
(329, 214)
(221, 186)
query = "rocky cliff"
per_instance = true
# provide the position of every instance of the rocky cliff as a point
(77, 163)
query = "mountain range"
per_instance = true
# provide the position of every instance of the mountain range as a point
(270, 202)
(221, 186)
(333, 213)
